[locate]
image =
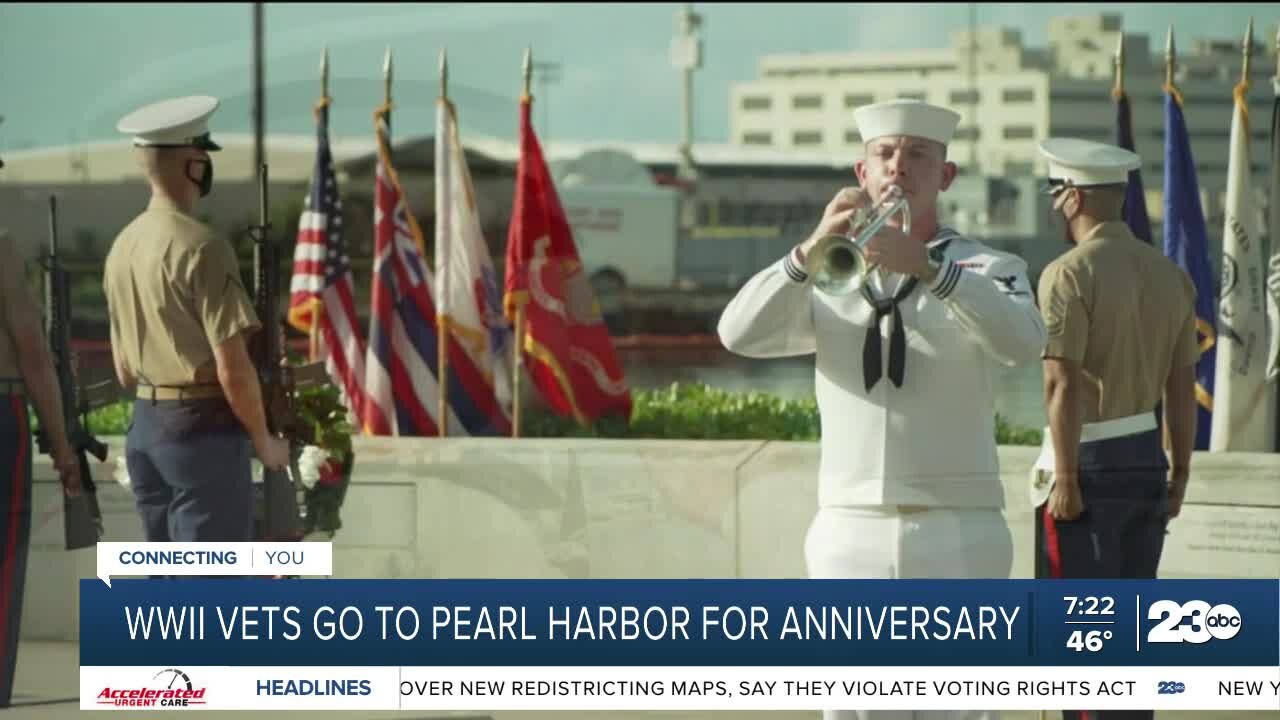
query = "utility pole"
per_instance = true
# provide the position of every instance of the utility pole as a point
(973, 83)
(686, 56)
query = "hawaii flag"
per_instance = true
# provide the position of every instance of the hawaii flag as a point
(401, 366)
(566, 344)
(466, 284)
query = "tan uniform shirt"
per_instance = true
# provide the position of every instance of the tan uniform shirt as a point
(173, 293)
(16, 304)
(1125, 314)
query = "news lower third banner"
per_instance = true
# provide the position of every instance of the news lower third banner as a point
(289, 644)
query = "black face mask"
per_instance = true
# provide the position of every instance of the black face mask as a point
(205, 183)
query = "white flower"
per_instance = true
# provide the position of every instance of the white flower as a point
(310, 462)
(122, 473)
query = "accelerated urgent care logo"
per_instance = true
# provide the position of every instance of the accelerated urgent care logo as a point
(169, 688)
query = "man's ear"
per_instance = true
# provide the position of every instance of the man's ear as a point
(860, 171)
(1078, 196)
(949, 172)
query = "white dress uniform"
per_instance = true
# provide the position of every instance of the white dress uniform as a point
(909, 481)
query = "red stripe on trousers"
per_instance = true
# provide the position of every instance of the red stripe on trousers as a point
(1051, 541)
(9, 563)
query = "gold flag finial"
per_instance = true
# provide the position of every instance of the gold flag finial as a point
(1248, 52)
(528, 70)
(444, 74)
(386, 76)
(324, 73)
(1170, 58)
(1119, 86)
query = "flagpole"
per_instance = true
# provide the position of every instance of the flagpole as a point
(442, 320)
(1248, 53)
(386, 92)
(1118, 90)
(518, 365)
(317, 307)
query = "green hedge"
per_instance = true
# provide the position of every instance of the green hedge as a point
(678, 412)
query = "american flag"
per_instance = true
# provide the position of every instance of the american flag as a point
(322, 278)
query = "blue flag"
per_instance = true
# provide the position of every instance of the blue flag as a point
(1187, 243)
(1135, 199)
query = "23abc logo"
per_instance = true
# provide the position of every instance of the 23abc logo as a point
(1192, 622)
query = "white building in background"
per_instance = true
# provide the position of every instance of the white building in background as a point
(1011, 97)
(290, 158)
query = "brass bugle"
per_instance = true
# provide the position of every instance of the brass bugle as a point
(838, 263)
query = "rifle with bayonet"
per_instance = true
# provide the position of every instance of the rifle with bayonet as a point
(281, 511)
(82, 515)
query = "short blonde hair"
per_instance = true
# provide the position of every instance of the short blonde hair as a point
(156, 163)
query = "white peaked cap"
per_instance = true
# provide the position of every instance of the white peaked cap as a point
(906, 117)
(1084, 163)
(180, 122)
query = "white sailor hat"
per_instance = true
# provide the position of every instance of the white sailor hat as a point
(906, 117)
(1084, 163)
(181, 122)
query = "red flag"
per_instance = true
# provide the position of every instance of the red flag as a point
(567, 348)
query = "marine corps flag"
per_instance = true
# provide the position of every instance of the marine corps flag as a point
(1242, 412)
(565, 342)
(1187, 243)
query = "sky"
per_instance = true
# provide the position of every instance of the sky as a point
(69, 72)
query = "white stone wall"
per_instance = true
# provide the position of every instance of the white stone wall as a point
(426, 508)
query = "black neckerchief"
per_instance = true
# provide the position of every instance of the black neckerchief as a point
(871, 370)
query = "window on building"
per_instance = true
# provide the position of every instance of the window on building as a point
(1019, 168)
(1019, 132)
(806, 102)
(1019, 95)
(759, 137)
(970, 132)
(851, 101)
(852, 137)
(1058, 96)
(911, 95)
(807, 137)
(964, 97)
(757, 103)
(1086, 132)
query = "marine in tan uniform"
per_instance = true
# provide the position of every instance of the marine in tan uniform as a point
(26, 374)
(180, 323)
(1121, 323)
